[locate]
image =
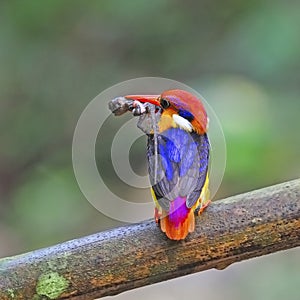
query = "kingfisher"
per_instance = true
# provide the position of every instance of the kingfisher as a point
(178, 152)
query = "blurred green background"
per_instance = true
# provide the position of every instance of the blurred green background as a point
(55, 56)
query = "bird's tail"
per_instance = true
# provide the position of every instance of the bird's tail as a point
(179, 221)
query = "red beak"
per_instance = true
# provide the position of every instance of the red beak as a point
(153, 99)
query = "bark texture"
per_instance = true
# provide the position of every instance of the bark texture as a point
(107, 263)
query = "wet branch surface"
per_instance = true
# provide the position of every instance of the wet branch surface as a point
(107, 263)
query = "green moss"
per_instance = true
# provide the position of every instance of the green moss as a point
(51, 285)
(11, 293)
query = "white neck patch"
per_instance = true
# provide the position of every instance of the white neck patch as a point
(182, 123)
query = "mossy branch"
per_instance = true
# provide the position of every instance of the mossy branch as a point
(111, 262)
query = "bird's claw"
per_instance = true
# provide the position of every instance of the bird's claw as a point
(157, 215)
(202, 207)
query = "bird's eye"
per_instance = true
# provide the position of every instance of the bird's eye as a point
(164, 103)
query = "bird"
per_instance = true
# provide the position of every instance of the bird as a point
(178, 153)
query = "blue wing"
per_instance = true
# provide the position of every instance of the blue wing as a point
(182, 165)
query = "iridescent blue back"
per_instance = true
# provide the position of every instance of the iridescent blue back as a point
(182, 165)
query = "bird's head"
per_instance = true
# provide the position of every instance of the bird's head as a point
(179, 109)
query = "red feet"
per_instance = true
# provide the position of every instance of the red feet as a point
(157, 215)
(202, 208)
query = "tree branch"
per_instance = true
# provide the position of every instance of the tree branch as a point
(108, 263)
